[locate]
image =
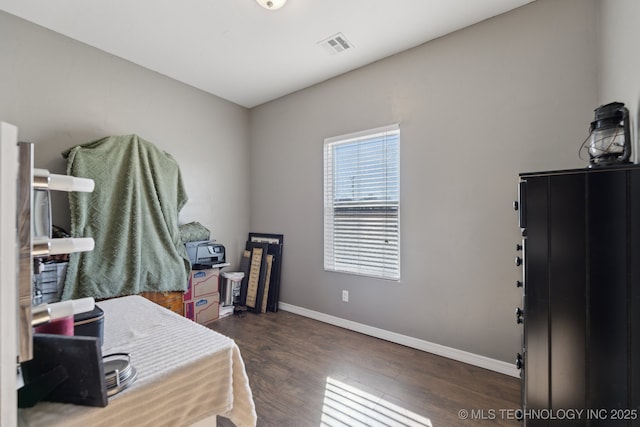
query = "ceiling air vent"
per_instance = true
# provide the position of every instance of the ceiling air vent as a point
(336, 43)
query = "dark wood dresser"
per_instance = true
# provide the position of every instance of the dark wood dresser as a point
(580, 255)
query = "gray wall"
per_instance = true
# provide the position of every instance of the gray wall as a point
(619, 76)
(511, 94)
(61, 93)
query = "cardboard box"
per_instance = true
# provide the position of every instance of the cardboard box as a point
(204, 309)
(202, 282)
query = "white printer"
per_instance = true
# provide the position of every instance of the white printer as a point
(205, 254)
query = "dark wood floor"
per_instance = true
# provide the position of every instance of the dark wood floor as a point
(307, 373)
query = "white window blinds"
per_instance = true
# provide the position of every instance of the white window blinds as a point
(362, 203)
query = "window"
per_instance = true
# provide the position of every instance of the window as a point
(362, 203)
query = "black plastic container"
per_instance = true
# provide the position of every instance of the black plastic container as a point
(90, 324)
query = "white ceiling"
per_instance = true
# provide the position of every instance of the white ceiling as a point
(241, 52)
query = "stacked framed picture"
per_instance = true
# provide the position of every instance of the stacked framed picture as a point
(262, 265)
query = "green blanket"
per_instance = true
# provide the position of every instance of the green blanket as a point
(133, 217)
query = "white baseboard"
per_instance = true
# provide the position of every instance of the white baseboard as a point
(440, 350)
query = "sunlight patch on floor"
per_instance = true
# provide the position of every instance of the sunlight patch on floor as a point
(345, 405)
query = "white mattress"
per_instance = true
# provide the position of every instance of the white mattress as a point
(186, 372)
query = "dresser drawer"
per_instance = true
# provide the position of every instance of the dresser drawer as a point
(171, 300)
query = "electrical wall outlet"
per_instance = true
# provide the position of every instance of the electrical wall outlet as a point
(345, 296)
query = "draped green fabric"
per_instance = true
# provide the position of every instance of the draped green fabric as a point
(133, 217)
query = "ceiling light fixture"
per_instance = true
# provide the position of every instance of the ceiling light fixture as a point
(271, 4)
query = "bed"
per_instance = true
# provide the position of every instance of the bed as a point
(187, 374)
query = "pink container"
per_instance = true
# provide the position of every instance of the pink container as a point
(63, 326)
